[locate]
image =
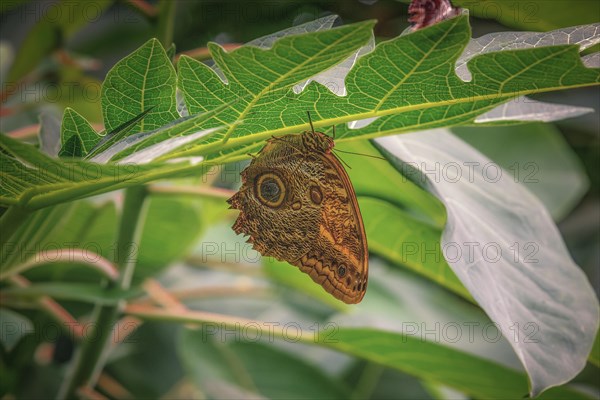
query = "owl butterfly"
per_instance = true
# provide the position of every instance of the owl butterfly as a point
(297, 204)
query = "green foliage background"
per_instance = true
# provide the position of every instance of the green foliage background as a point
(178, 354)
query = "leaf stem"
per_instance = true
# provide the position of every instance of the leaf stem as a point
(91, 356)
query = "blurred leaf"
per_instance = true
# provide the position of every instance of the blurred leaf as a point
(390, 186)
(9, 6)
(13, 326)
(41, 231)
(181, 218)
(408, 242)
(470, 374)
(93, 228)
(65, 227)
(78, 89)
(537, 156)
(252, 367)
(166, 23)
(291, 277)
(41, 41)
(497, 238)
(374, 381)
(473, 375)
(536, 15)
(595, 353)
(54, 25)
(146, 364)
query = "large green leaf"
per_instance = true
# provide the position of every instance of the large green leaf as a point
(34, 180)
(498, 240)
(408, 82)
(476, 376)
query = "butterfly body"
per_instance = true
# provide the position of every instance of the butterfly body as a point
(297, 204)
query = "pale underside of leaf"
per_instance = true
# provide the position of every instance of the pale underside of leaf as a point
(584, 36)
(520, 271)
(526, 109)
(523, 108)
(49, 134)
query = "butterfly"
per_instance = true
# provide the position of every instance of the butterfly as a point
(298, 205)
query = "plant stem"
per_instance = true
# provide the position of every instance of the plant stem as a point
(91, 356)
(166, 22)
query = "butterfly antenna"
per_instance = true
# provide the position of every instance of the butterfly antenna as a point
(341, 159)
(310, 122)
(360, 154)
(333, 127)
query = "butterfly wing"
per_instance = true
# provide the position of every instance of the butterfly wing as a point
(340, 264)
(297, 204)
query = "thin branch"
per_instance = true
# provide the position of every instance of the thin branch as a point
(76, 256)
(52, 308)
(124, 328)
(32, 131)
(224, 321)
(112, 387)
(145, 8)
(86, 392)
(220, 291)
(161, 296)
(203, 53)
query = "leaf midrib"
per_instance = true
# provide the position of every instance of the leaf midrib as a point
(256, 137)
(282, 77)
(415, 67)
